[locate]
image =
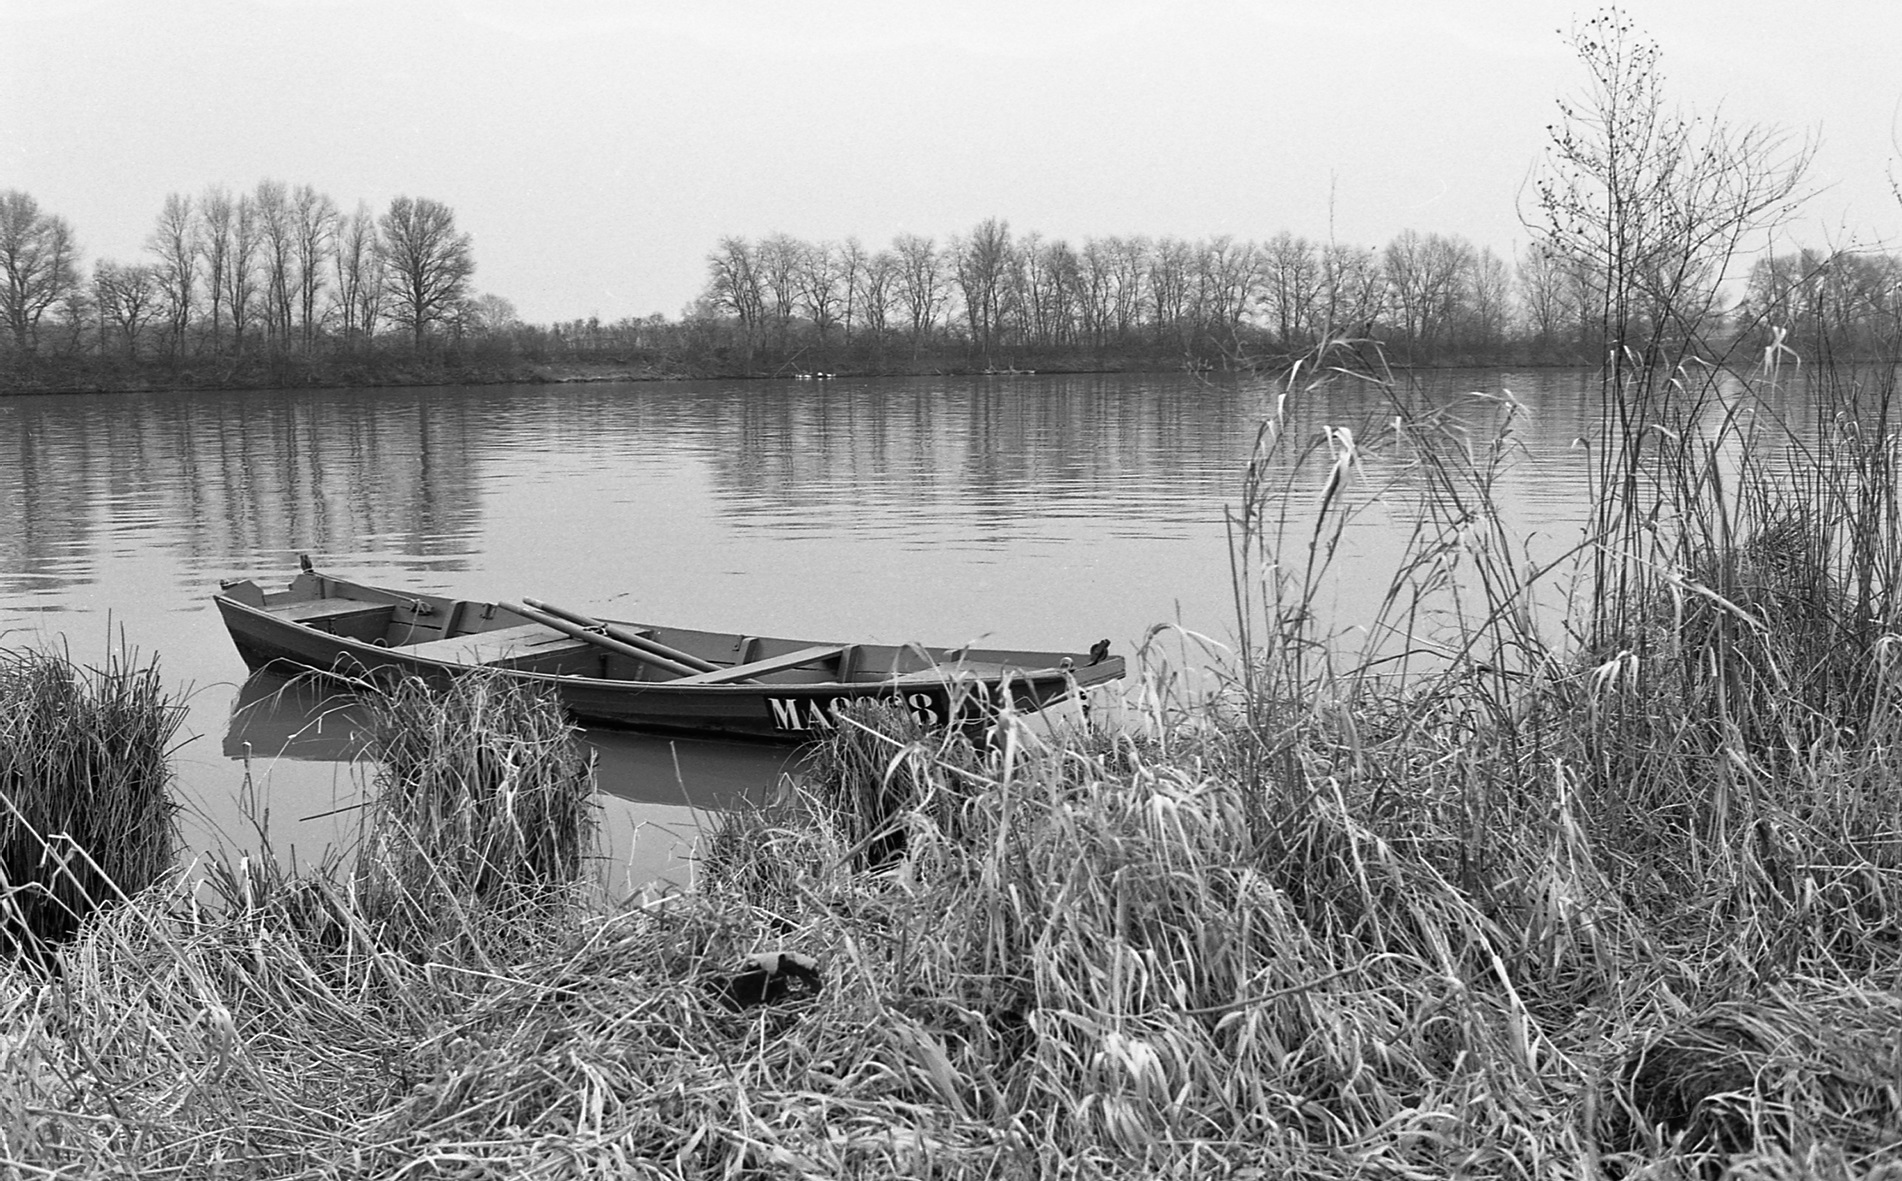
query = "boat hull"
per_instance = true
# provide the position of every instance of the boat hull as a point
(938, 687)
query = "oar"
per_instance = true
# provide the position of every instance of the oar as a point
(630, 638)
(582, 632)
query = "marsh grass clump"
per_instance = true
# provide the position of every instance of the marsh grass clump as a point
(1123, 955)
(86, 806)
(481, 800)
(882, 771)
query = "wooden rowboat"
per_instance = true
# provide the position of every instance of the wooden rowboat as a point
(636, 675)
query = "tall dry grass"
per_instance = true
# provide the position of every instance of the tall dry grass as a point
(86, 810)
(481, 804)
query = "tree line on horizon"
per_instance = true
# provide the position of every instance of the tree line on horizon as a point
(273, 283)
(1427, 298)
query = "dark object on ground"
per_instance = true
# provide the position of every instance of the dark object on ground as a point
(1697, 1079)
(769, 978)
(1784, 1068)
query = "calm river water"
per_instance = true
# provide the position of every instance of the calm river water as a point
(1033, 511)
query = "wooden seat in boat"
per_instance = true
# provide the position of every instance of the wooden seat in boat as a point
(759, 668)
(498, 646)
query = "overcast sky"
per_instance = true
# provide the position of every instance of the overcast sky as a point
(596, 151)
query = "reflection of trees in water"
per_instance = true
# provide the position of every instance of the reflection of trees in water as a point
(1160, 448)
(228, 474)
(1025, 446)
(41, 498)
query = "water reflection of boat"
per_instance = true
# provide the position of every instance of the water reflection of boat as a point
(638, 675)
(294, 718)
(305, 718)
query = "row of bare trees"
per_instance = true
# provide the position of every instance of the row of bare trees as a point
(279, 269)
(1430, 294)
(282, 271)
(1426, 296)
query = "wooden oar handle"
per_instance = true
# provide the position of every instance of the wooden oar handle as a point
(632, 639)
(581, 632)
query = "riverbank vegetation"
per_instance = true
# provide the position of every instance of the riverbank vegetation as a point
(1565, 866)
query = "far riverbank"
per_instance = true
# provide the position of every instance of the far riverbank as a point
(488, 363)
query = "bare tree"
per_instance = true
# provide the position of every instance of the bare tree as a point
(1131, 261)
(359, 264)
(1291, 276)
(821, 294)
(852, 261)
(174, 242)
(1232, 273)
(315, 221)
(1651, 207)
(1096, 275)
(1862, 289)
(490, 315)
(1839, 302)
(1654, 202)
(878, 286)
(214, 248)
(277, 246)
(1424, 272)
(981, 264)
(921, 289)
(71, 318)
(1488, 301)
(427, 263)
(733, 282)
(1353, 292)
(1048, 278)
(778, 260)
(1029, 286)
(1545, 296)
(1169, 264)
(126, 297)
(39, 265)
(241, 252)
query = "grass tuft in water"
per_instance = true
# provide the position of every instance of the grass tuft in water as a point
(482, 800)
(86, 809)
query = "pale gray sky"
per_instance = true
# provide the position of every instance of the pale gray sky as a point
(596, 151)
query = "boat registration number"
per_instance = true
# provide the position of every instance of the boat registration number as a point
(804, 714)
